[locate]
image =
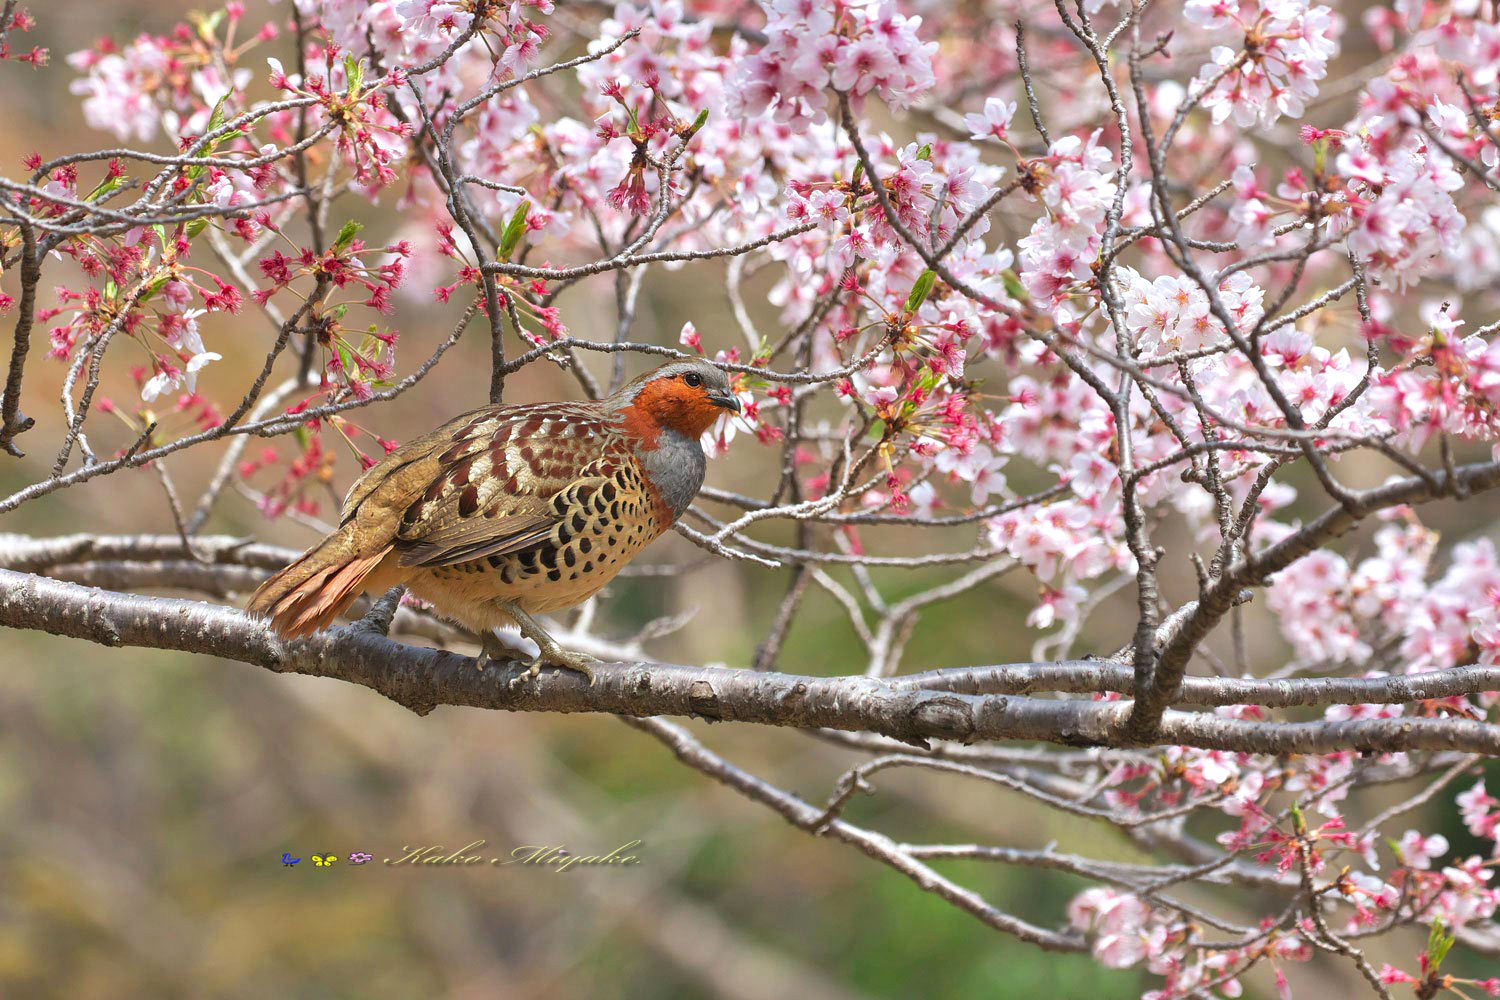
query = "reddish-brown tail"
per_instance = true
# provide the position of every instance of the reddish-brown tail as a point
(316, 588)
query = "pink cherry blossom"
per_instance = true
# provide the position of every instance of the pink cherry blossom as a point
(994, 122)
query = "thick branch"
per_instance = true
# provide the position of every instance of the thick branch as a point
(421, 679)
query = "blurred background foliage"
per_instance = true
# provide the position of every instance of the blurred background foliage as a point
(146, 798)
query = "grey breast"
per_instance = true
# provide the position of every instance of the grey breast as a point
(676, 466)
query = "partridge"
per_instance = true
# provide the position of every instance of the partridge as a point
(507, 512)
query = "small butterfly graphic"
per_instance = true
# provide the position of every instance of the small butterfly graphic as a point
(288, 860)
(359, 858)
(324, 860)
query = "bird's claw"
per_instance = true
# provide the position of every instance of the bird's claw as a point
(577, 662)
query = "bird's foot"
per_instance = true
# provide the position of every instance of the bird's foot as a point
(568, 660)
(548, 651)
(503, 649)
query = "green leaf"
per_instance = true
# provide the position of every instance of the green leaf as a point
(195, 227)
(109, 186)
(1438, 943)
(219, 116)
(692, 130)
(925, 152)
(346, 360)
(216, 121)
(514, 229)
(354, 72)
(347, 233)
(1013, 286)
(920, 290)
(208, 25)
(154, 287)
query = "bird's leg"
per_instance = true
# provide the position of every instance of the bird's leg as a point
(495, 647)
(550, 651)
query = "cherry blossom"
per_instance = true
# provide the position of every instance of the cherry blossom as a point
(994, 122)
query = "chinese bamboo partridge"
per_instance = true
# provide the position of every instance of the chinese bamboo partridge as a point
(511, 511)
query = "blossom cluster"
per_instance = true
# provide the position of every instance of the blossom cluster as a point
(854, 48)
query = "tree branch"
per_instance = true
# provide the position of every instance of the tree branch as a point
(421, 679)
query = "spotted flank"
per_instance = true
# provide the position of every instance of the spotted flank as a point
(530, 514)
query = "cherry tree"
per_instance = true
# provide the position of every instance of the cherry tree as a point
(1125, 300)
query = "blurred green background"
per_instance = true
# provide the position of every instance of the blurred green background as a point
(146, 799)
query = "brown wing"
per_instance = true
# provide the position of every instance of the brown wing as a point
(318, 586)
(389, 482)
(499, 485)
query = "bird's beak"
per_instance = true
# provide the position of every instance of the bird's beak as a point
(728, 400)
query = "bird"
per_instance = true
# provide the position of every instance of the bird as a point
(511, 511)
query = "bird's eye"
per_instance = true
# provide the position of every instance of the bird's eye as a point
(693, 379)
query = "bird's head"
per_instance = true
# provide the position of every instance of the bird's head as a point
(684, 396)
